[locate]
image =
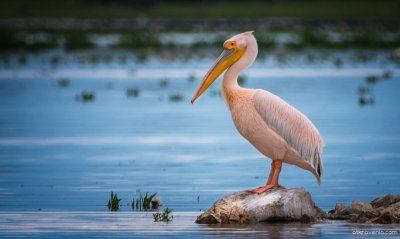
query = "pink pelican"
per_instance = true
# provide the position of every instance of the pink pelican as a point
(271, 125)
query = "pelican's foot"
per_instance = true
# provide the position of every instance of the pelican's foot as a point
(262, 189)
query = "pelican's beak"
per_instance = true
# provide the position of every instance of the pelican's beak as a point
(225, 60)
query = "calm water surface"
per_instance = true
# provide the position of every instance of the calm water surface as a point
(60, 158)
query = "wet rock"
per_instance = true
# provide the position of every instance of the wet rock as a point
(156, 202)
(271, 206)
(383, 210)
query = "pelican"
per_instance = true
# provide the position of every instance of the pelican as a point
(271, 125)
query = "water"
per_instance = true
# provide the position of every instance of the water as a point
(60, 158)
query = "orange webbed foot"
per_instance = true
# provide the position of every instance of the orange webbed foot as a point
(262, 189)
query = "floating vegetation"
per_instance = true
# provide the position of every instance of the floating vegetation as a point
(164, 83)
(164, 216)
(63, 82)
(371, 79)
(17, 40)
(175, 97)
(317, 38)
(113, 203)
(387, 74)
(146, 203)
(85, 96)
(365, 96)
(338, 63)
(362, 90)
(55, 60)
(366, 100)
(146, 41)
(76, 40)
(266, 41)
(142, 56)
(365, 93)
(138, 39)
(242, 80)
(362, 57)
(133, 92)
(191, 78)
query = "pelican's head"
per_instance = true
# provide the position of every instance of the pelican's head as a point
(234, 49)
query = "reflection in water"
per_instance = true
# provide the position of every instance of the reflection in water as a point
(266, 230)
(366, 92)
(141, 225)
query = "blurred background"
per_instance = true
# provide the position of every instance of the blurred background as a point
(95, 97)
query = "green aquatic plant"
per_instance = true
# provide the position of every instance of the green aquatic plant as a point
(371, 79)
(76, 40)
(21, 40)
(164, 216)
(175, 97)
(113, 203)
(362, 100)
(366, 95)
(145, 203)
(265, 41)
(387, 74)
(85, 96)
(63, 82)
(338, 63)
(138, 39)
(133, 92)
(164, 83)
(191, 78)
(362, 90)
(55, 60)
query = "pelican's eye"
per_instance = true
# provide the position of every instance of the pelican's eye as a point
(230, 45)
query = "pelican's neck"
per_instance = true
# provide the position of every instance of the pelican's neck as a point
(231, 75)
(229, 81)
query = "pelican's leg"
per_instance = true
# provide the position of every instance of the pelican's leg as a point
(273, 179)
(271, 172)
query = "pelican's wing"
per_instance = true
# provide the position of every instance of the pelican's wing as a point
(292, 125)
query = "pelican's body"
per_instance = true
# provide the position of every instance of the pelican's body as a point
(271, 125)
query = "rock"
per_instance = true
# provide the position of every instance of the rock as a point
(296, 205)
(273, 205)
(357, 207)
(156, 202)
(383, 210)
(388, 215)
(385, 201)
(339, 206)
